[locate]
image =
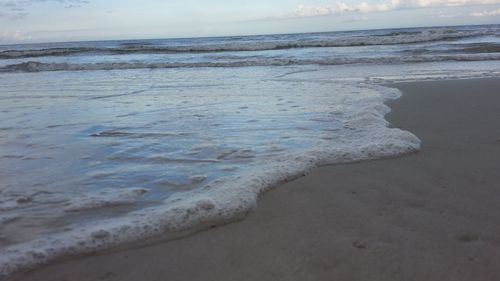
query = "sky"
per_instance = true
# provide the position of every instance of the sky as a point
(30, 21)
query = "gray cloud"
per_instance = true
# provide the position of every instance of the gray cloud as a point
(18, 9)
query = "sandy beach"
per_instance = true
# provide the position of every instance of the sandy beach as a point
(433, 215)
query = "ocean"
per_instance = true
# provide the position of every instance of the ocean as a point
(112, 142)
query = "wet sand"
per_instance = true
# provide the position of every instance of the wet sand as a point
(434, 215)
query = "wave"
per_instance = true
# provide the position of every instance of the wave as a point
(33, 66)
(473, 48)
(393, 38)
(482, 48)
(220, 202)
(15, 54)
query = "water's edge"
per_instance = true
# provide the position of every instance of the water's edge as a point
(228, 203)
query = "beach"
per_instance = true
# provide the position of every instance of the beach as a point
(431, 215)
(110, 143)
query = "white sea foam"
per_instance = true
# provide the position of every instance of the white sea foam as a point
(33, 66)
(228, 199)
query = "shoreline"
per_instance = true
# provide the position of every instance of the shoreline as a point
(312, 246)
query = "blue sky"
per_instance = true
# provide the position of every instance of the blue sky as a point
(72, 20)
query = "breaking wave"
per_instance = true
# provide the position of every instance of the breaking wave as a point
(393, 38)
(33, 66)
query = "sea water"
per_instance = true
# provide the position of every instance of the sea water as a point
(108, 143)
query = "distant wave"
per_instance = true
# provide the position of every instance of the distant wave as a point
(393, 38)
(14, 54)
(33, 66)
(474, 48)
(482, 48)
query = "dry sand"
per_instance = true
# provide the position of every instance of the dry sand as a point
(434, 215)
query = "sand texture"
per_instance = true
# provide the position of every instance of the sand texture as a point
(434, 215)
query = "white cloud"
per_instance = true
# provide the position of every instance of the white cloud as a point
(355, 19)
(443, 14)
(13, 36)
(486, 13)
(336, 8)
(365, 7)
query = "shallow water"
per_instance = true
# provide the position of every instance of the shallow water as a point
(74, 134)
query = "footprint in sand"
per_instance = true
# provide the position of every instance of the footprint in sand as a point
(467, 238)
(359, 245)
